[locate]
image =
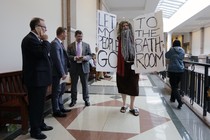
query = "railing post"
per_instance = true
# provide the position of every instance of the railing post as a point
(205, 91)
(192, 87)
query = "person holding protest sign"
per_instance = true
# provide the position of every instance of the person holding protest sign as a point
(127, 79)
(175, 70)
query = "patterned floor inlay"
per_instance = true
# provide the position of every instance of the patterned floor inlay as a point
(104, 121)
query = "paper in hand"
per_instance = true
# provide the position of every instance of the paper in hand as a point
(65, 80)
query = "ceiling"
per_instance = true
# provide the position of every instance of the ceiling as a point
(199, 20)
(129, 9)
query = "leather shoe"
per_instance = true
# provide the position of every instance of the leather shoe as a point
(107, 76)
(72, 104)
(46, 128)
(39, 136)
(87, 103)
(59, 114)
(65, 110)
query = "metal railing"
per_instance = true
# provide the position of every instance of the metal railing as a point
(195, 84)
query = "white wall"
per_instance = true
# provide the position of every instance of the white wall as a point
(15, 16)
(73, 19)
(196, 42)
(86, 21)
(207, 40)
(186, 37)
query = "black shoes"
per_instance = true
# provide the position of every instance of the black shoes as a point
(72, 103)
(59, 114)
(46, 128)
(39, 136)
(65, 110)
(180, 105)
(87, 103)
(172, 100)
(107, 76)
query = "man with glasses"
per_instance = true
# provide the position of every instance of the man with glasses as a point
(37, 74)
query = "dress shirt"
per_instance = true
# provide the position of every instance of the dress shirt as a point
(80, 46)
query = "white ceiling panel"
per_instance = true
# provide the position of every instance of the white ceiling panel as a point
(129, 9)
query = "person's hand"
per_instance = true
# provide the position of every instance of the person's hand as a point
(79, 58)
(41, 33)
(44, 37)
(64, 77)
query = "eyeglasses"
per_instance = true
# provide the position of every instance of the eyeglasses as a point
(44, 27)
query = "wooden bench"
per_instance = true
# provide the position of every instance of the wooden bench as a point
(14, 101)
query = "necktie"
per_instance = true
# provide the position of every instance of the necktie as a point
(78, 49)
(62, 45)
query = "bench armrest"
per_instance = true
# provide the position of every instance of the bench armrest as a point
(13, 94)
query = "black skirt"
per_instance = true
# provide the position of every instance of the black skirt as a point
(129, 83)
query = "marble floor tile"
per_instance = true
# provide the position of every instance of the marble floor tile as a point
(102, 120)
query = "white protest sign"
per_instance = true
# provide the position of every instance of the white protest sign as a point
(106, 41)
(149, 43)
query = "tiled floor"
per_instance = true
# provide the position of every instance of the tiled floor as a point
(158, 119)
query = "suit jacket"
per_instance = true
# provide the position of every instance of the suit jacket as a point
(86, 52)
(59, 58)
(37, 69)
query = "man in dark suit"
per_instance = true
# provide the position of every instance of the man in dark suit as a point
(79, 55)
(37, 75)
(60, 71)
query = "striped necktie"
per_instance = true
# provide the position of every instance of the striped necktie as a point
(62, 45)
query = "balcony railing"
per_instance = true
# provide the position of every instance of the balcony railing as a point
(195, 84)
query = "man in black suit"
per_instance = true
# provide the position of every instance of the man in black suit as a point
(79, 55)
(37, 74)
(60, 71)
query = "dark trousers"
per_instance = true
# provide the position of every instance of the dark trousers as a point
(174, 79)
(36, 99)
(84, 81)
(57, 93)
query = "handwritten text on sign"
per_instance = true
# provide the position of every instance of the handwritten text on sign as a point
(148, 35)
(107, 44)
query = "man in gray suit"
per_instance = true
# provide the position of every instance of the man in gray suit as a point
(79, 54)
(60, 71)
